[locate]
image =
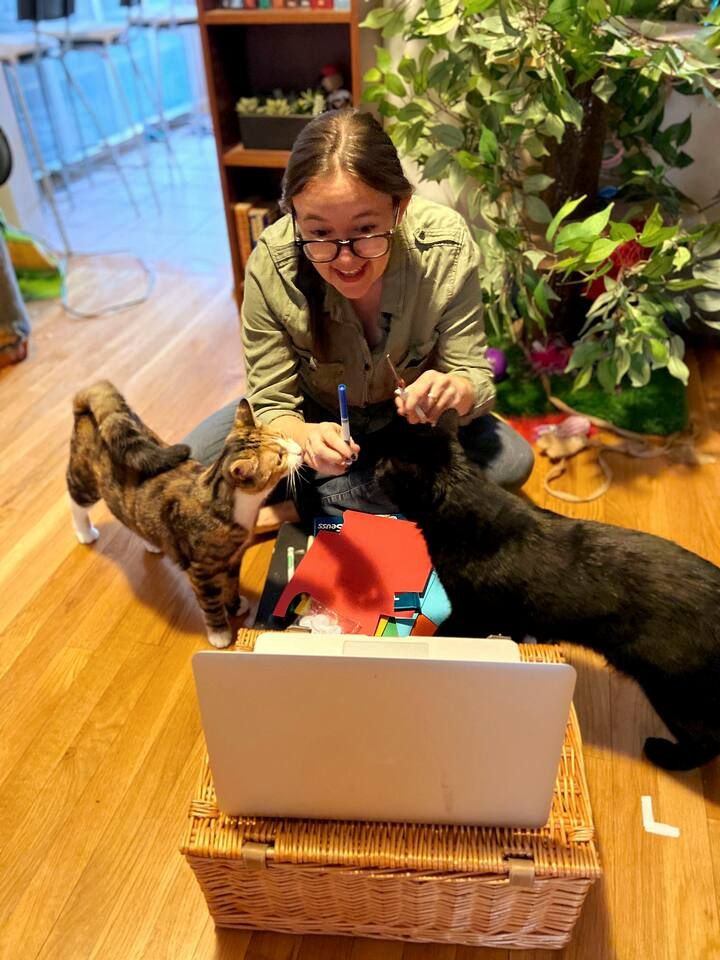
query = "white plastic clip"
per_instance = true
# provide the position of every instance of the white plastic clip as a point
(651, 824)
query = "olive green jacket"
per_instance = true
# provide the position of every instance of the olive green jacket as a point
(431, 309)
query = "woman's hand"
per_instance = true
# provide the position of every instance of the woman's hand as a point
(434, 393)
(326, 451)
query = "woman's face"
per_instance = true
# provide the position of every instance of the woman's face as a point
(339, 207)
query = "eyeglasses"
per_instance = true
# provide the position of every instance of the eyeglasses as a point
(371, 247)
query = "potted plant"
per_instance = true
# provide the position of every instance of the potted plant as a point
(273, 123)
(513, 104)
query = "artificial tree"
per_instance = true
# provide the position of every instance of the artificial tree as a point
(512, 104)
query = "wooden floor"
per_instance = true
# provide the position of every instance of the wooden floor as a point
(100, 741)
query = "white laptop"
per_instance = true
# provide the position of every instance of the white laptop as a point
(416, 729)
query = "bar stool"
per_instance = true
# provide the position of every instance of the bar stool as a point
(173, 17)
(100, 37)
(97, 37)
(16, 48)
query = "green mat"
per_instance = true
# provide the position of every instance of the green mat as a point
(661, 407)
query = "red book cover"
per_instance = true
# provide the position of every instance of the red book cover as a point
(321, 4)
(250, 4)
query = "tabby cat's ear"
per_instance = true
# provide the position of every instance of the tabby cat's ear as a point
(244, 415)
(244, 468)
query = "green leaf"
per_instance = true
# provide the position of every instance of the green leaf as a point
(659, 351)
(373, 75)
(709, 301)
(678, 368)
(537, 183)
(535, 147)
(378, 17)
(709, 272)
(584, 353)
(600, 250)
(437, 9)
(383, 58)
(477, 6)
(578, 235)
(537, 209)
(535, 257)
(449, 135)
(571, 110)
(395, 84)
(639, 371)
(565, 210)
(553, 127)
(709, 244)
(582, 379)
(606, 373)
(622, 231)
(436, 164)
(487, 148)
(438, 28)
(682, 257)
(603, 87)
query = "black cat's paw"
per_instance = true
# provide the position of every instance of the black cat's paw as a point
(677, 756)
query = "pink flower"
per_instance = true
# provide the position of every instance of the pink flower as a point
(550, 357)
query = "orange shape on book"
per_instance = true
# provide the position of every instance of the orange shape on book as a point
(357, 571)
(423, 627)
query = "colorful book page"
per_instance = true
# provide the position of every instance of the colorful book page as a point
(434, 602)
(357, 571)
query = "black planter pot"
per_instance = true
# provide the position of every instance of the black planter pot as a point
(258, 132)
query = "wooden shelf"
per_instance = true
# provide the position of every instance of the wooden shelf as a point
(274, 17)
(238, 156)
(249, 52)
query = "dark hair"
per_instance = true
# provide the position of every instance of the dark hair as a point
(345, 140)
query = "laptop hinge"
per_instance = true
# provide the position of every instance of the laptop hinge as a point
(255, 855)
(521, 873)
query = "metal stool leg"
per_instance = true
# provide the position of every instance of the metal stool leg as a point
(141, 81)
(105, 54)
(72, 83)
(57, 138)
(45, 177)
(84, 152)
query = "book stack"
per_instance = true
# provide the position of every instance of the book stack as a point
(251, 218)
(285, 4)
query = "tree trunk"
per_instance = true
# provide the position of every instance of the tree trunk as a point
(574, 163)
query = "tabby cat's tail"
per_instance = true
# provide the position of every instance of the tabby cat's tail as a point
(128, 441)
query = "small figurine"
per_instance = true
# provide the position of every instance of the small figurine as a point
(336, 96)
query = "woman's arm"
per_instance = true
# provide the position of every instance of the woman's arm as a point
(462, 378)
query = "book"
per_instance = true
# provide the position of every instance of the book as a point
(242, 229)
(250, 4)
(321, 4)
(290, 547)
(264, 4)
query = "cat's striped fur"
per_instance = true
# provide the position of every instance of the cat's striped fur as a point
(203, 518)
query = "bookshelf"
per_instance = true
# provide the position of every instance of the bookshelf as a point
(247, 52)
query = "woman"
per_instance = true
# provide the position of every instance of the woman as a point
(356, 270)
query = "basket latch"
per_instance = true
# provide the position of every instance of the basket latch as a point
(521, 873)
(255, 855)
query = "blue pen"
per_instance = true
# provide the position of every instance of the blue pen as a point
(344, 418)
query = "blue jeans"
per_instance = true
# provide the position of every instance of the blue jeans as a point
(505, 456)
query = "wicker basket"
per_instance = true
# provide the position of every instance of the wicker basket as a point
(484, 887)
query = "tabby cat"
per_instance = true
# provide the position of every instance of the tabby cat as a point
(203, 518)
(647, 605)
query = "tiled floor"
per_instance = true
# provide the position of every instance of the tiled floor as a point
(184, 231)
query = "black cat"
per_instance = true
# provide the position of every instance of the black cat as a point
(648, 606)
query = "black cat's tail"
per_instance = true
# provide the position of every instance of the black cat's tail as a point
(128, 441)
(680, 756)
